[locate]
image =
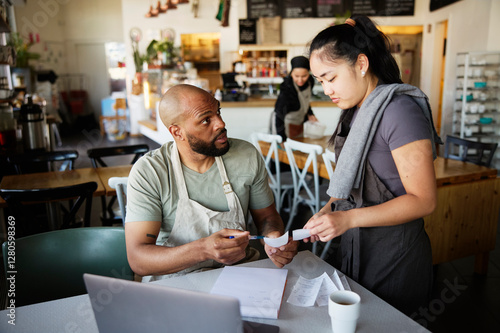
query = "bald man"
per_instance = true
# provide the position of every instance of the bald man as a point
(188, 201)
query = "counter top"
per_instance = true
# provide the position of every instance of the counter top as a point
(268, 102)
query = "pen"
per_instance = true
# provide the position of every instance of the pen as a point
(250, 237)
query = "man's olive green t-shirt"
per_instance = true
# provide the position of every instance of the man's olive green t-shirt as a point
(152, 190)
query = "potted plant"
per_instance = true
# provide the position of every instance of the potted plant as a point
(23, 55)
(162, 52)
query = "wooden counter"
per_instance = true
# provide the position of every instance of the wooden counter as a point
(269, 102)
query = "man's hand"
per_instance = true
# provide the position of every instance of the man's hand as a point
(282, 255)
(225, 250)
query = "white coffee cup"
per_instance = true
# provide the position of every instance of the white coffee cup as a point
(343, 308)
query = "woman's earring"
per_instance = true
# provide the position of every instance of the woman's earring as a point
(363, 73)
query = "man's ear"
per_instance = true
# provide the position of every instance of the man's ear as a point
(176, 131)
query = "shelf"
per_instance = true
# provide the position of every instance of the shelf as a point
(477, 67)
(480, 65)
(264, 80)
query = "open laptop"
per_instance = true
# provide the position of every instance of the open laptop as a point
(126, 306)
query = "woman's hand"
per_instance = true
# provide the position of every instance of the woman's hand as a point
(327, 226)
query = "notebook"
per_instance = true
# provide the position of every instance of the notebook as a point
(126, 306)
(259, 290)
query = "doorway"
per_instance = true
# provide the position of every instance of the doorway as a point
(440, 61)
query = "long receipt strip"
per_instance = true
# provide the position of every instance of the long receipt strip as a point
(298, 234)
(307, 292)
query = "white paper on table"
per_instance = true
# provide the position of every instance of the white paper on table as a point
(300, 234)
(345, 284)
(327, 287)
(336, 279)
(277, 242)
(305, 291)
(259, 290)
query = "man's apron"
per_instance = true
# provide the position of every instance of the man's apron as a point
(294, 121)
(194, 221)
(394, 262)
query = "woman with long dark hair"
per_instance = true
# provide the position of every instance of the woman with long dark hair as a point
(384, 181)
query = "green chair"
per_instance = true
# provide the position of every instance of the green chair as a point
(50, 265)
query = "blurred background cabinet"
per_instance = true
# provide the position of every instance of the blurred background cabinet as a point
(477, 98)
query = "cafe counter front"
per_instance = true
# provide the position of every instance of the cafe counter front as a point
(244, 118)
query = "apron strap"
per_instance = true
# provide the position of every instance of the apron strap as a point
(226, 185)
(178, 174)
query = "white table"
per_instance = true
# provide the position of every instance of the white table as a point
(74, 314)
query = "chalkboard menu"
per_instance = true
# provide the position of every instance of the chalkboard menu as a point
(298, 8)
(263, 8)
(248, 31)
(330, 8)
(436, 4)
(383, 7)
(333, 8)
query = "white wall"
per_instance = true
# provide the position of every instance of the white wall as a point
(72, 34)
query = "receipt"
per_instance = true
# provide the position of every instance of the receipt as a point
(300, 234)
(327, 287)
(277, 242)
(307, 292)
(297, 234)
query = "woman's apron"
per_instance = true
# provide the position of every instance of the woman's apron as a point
(294, 120)
(194, 221)
(394, 262)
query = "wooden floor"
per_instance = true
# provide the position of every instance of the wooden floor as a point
(462, 301)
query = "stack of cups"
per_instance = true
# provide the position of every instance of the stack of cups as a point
(343, 308)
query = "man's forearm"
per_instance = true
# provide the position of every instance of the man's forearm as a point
(268, 221)
(151, 259)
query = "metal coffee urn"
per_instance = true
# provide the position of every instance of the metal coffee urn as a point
(32, 119)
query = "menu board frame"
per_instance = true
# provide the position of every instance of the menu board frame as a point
(248, 31)
(263, 8)
(331, 8)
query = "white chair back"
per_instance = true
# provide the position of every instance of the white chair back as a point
(329, 158)
(278, 186)
(302, 191)
(120, 185)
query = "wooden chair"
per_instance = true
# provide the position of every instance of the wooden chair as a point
(51, 264)
(280, 182)
(30, 219)
(41, 161)
(97, 156)
(479, 153)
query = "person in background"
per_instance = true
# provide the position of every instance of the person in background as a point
(188, 201)
(384, 181)
(292, 107)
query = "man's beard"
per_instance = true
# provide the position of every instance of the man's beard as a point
(207, 148)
